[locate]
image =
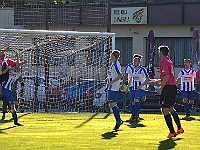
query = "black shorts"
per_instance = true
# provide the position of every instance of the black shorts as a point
(168, 96)
(4, 77)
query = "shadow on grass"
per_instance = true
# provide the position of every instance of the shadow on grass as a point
(10, 120)
(168, 144)
(86, 121)
(6, 129)
(134, 124)
(109, 135)
(188, 119)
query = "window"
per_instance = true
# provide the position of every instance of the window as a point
(125, 46)
(180, 48)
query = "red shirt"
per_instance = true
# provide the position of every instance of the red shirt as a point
(10, 62)
(167, 68)
(198, 75)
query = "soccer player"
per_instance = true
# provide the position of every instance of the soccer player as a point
(187, 76)
(128, 71)
(198, 74)
(7, 86)
(139, 78)
(168, 91)
(113, 86)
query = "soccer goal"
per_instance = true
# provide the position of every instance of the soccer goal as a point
(65, 70)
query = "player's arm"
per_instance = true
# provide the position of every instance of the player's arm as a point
(119, 76)
(7, 48)
(178, 81)
(165, 79)
(17, 62)
(144, 83)
(129, 84)
(124, 80)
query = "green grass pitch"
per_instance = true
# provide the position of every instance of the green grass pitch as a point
(78, 131)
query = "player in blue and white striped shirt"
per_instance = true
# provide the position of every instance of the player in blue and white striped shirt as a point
(113, 83)
(7, 88)
(139, 78)
(187, 77)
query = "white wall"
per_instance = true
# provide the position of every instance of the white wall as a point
(6, 18)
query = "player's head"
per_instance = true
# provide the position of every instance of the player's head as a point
(137, 59)
(187, 62)
(163, 51)
(115, 55)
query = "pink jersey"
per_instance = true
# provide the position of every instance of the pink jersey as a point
(10, 62)
(198, 75)
(167, 67)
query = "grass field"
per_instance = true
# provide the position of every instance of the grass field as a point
(74, 131)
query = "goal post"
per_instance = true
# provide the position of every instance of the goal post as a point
(59, 62)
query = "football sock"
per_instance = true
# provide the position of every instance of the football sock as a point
(133, 110)
(189, 106)
(137, 109)
(116, 113)
(141, 104)
(14, 115)
(176, 119)
(168, 121)
(186, 108)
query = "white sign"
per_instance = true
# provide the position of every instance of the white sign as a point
(129, 15)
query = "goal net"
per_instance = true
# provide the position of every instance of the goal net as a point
(65, 70)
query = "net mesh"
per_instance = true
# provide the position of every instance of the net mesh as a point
(64, 72)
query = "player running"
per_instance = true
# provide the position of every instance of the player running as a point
(139, 78)
(113, 83)
(187, 77)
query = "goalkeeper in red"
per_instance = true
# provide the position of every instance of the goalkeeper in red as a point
(168, 91)
(113, 86)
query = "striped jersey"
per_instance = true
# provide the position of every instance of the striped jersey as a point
(11, 79)
(129, 70)
(187, 79)
(139, 76)
(114, 70)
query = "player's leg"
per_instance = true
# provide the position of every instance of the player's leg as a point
(167, 100)
(185, 95)
(176, 120)
(168, 121)
(114, 97)
(132, 103)
(9, 97)
(191, 100)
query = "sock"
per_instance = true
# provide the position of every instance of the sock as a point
(176, 119)
(186, 109)
(168, 121)
(14, 115)
(189, 106)
(4, 108)
(141, 104)
(137, 109)
(133, 110)
(116, 114)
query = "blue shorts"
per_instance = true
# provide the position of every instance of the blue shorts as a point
(114, 96)
(132, 95)
(139, 94)
(188, 94)
(8, 95)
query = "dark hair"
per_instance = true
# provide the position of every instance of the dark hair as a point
(116, 53)
(138, 56)
(164, 49)
(186, 59)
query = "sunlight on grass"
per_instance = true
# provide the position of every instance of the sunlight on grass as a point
(94, 131)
